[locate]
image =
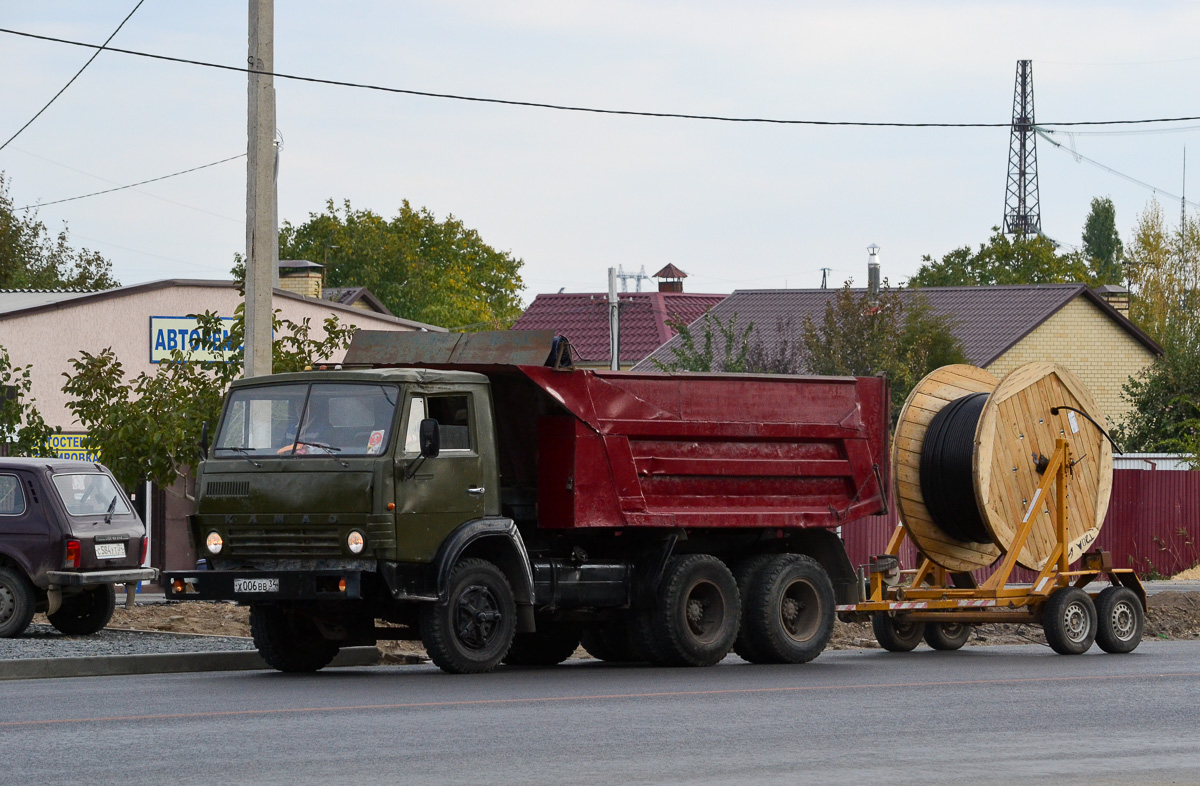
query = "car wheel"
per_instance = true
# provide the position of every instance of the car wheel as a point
(87, 612)
(16, 603)
(474, 628)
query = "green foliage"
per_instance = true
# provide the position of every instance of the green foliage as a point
(1102, 244)
(32, 257)
(148, 427)
(1163, 266)
(1030, 260)
(438, 272)
(722, 346)
(890, 334)
(21, 425)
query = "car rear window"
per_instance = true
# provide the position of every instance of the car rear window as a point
(90, 494)
(12, 500)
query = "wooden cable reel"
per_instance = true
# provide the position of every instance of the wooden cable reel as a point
(1014, 428)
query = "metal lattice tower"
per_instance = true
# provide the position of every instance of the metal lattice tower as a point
(1022, 212)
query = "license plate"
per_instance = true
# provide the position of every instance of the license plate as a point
(110, 550)
(256, 585)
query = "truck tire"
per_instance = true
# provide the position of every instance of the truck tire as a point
(791, 609)
(87, 612)
(288, 640)
(550, 645)
(895, 635)
(695, 621)
(16, 603)
(1069, 621)
(609, 642)
(472, 631)
(744, 573)
(947, 636)
(1120, 620)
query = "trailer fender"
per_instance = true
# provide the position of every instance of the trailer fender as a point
(499, 541)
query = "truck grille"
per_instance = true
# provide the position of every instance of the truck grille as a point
(227, 488)
(284, 542)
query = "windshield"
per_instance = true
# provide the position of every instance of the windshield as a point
(324, 418)
(90, 494)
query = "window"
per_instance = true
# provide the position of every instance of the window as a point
(453, 415)
(12, 500)
(321, 419)
(90, 494)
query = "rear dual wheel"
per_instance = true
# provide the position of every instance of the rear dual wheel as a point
(789, 611)
(695, 617)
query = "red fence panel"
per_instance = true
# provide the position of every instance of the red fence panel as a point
(1153, 526)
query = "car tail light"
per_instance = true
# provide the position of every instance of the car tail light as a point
(73, 552)
(145, 543)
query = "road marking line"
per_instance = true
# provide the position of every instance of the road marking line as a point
(596, 697)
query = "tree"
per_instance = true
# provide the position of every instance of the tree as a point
(891, 334)
(149, 427)
(21, 426)
(1029, 260)
(30, 256)
(722, 346)
(439, 272)
(1163, 267)
(1165, 416)
(1102, 244)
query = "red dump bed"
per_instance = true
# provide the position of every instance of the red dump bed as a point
(709, 450)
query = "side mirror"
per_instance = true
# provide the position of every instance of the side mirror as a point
(431, 440)
(203, 440)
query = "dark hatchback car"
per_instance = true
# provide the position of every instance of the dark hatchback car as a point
(67, 535)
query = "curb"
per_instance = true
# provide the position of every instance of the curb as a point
(160, 663)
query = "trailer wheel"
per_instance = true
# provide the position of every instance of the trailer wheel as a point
(896, 635)
(16, 603)
(551, 644)
(87, 612)
(1069, 621)
(609, 642)
(947, 635)
(289, 640)
(1120, 620)
(744, 574)
(696, 618)
(472, 631)
(791, 609)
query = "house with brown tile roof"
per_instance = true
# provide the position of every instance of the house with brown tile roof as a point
(583, 318)
(1000, 327)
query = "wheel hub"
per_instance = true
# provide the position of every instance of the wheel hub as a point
(1076, 622)
(8, 604)
(477, 615)
(1123, 621)
(799, 611)
(704, 611)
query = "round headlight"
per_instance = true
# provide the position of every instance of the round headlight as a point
(214, 542)
(355, 542)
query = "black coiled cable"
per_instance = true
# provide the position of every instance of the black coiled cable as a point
(946, 469)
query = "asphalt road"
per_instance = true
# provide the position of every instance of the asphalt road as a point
(978, 716)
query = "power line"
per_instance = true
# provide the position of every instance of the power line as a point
(77, 73)
(133, 185)
(574, 108)
(1081, 157)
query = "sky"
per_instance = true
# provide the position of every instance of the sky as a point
(735, 205)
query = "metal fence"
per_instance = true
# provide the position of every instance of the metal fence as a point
(1153, 525)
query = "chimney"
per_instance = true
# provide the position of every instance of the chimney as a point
(670, 279)
(1116, 296)
(873, 271)
(301, 277)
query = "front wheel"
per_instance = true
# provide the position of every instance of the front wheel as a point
(896, 635)
(288, 639)
(1069, 621)
(550, 645)
(16, 603)
(474, 628)
(87, 612)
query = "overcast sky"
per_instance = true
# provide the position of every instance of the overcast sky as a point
(736, 206)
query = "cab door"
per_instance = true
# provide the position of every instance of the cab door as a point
(458, 485)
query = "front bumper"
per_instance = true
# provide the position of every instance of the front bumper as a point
(92, 578)
(265, 585)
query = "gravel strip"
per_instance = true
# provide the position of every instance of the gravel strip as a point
(43, 641)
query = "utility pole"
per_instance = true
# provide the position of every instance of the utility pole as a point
(262, 242)
(1022, 212)
(614, 322)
